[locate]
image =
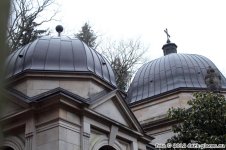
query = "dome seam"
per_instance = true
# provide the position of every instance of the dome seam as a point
(25, 54)
(15, 60)
(150, 79)
(73, 57)
(32, 56)
(185, 58)
(201, 69)
(46, 54)
(144, 80)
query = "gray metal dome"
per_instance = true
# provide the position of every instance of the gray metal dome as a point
(170, 72)
(59, 54)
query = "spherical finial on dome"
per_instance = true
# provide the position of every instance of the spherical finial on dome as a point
(59, 29)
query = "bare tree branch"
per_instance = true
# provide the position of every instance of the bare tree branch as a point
(124, 56)
(23, 21)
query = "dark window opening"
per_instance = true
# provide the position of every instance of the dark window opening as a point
(6, 148)
(107, 148)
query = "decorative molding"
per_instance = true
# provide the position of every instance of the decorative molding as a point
(14, 142)
(17, 114)
(158, 123)
(103, 141)
(156, 102)
(57, 123)
(111, 121)
(103, 99)
(71, 75)
(166, 94)
(124, 109)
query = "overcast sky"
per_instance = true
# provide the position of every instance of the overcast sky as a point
(196, 26)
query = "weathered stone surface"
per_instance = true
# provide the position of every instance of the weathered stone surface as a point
(47, 136)
(162, 137)
(83, 88)
(46, 116)
(110, 110)
(160, 107)
(67, 146)
(65, 125)
(10, 108)
(53, 145)
(153, 111)
(69, 116)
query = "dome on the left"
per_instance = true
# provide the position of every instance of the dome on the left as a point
(59, 55)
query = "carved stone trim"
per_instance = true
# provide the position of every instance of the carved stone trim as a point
(30, 134)
(103, 141)
(14, 142)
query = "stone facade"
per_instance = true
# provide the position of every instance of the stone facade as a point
(69, 114)
(153, 114)
(84, 88)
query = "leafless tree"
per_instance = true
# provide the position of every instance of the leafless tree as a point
(23, 23)
(124, 56)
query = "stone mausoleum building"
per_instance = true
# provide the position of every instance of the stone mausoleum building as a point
(62, 95)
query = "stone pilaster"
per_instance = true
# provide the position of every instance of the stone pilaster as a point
(112, 136)
(134, 145)
(30, 134)
(85, 136)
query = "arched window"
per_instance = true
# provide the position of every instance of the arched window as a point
(107, 147)
(12, 143)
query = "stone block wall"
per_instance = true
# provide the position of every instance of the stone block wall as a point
(83, 88)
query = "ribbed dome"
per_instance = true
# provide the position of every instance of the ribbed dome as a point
(59, 54)
(168, 73)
